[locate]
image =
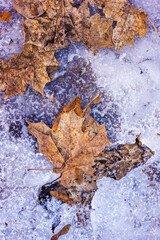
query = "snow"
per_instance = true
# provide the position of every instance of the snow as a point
(130, 84)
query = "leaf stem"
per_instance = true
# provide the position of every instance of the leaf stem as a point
(152, 24)
(53, 180)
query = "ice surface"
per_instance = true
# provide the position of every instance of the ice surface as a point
(11, 32)
(129, 209)
(130, 84)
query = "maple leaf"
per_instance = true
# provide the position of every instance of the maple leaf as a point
(73, 142)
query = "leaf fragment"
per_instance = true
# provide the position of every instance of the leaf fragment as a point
(28, 68)
(5, 16)
(63, 231)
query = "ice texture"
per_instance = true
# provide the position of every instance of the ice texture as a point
(129, 81)
(11, 32)
(129, 209)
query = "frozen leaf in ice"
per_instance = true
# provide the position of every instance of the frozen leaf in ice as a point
(63, 231)
(72, 144)
(75, 145)
(153, 173)
(5, 16)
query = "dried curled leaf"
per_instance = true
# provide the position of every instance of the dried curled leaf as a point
(63, 231)
(5, 16)
(73, 142)
(118, 162)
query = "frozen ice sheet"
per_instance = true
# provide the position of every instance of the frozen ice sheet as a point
(130, 84)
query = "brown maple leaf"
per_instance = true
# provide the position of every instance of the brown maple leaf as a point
(73, 142)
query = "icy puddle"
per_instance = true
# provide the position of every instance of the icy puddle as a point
(129, 81)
